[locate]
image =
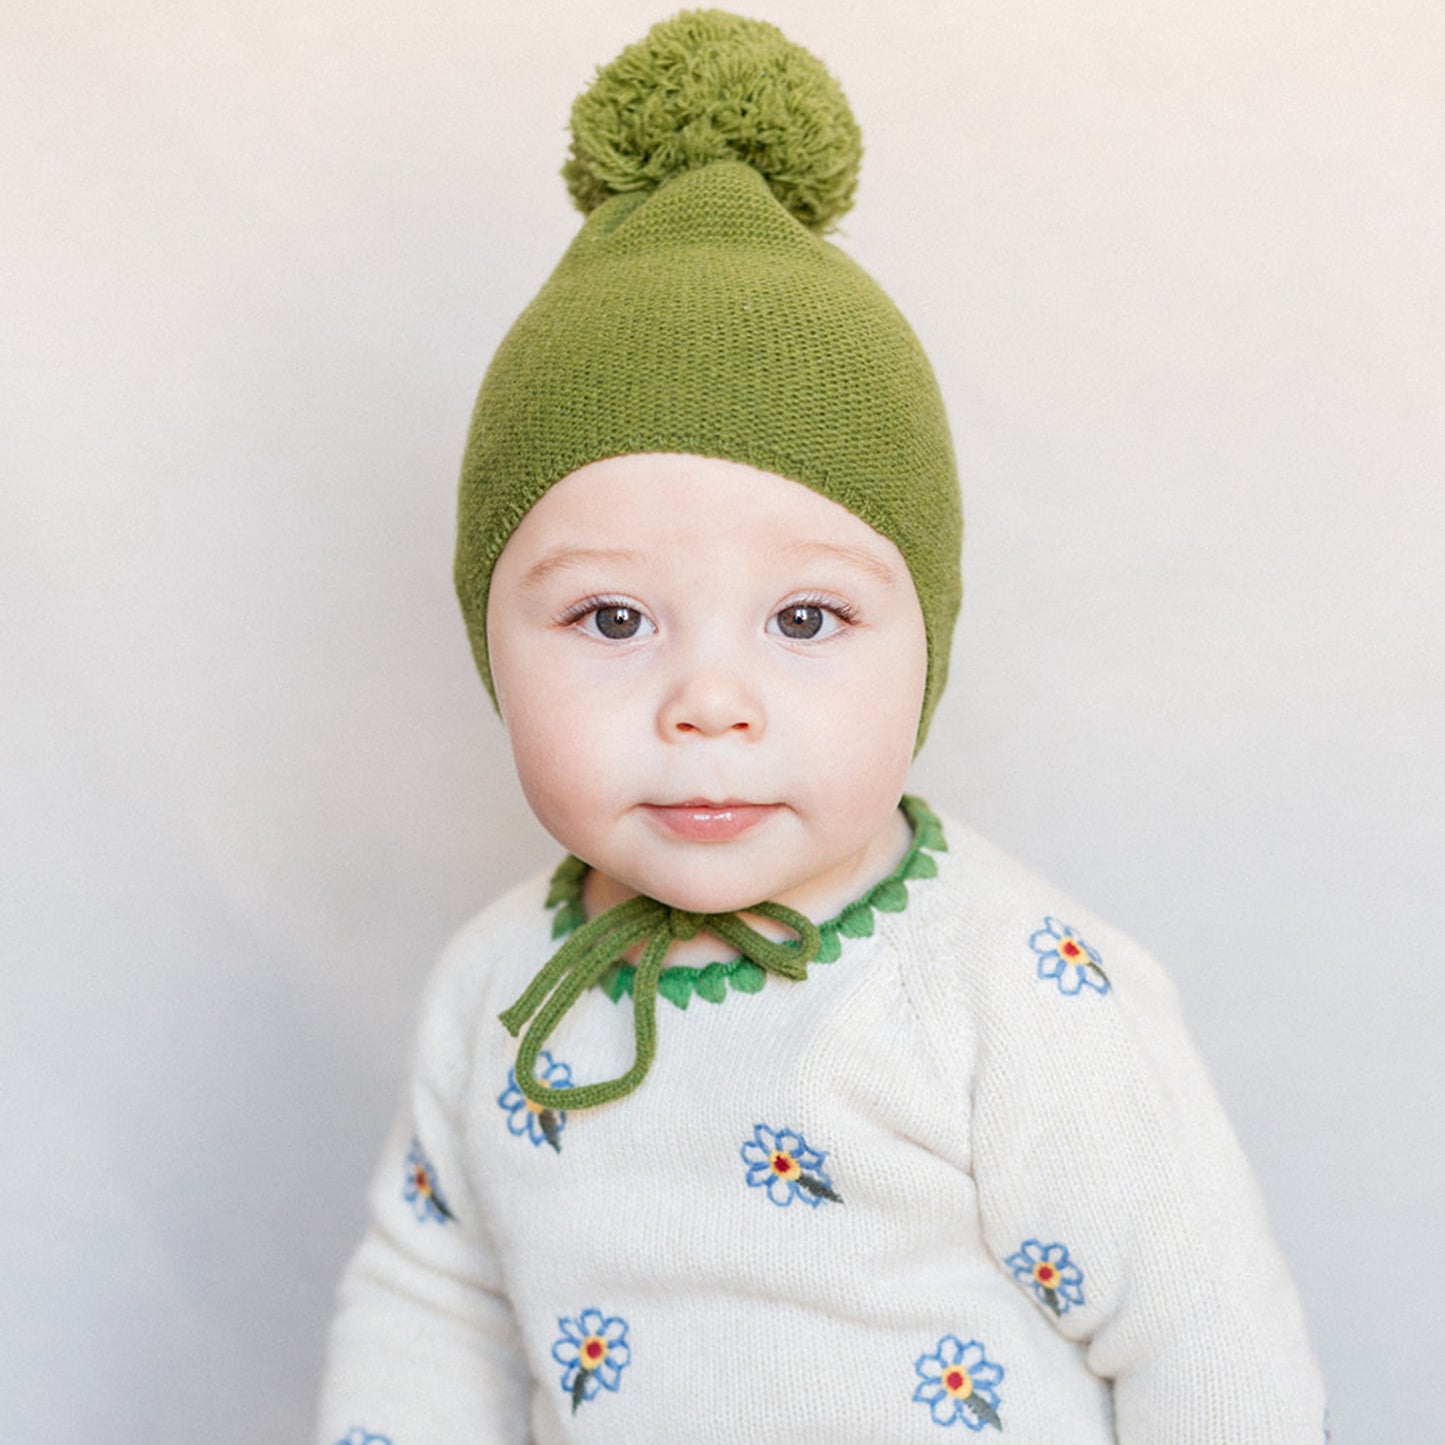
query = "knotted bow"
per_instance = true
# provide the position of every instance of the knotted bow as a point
(592, 950)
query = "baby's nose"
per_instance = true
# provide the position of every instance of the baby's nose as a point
(711, 702)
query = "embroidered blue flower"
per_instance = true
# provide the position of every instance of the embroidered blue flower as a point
(358, 1436)
(1050, 1273)
(1067, 959)
(780, 1161)
(593, 1352)
(524, 1118)
(959, 1384)
(419, 1188)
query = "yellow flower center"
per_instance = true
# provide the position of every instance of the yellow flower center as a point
(593, 1352)
(785, 1166)
(1071, 952)
(958, 1382)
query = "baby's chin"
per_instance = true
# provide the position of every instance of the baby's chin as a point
(692, 897)
(708, 885)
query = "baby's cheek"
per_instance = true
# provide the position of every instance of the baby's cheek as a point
(571, 755)
(869, 750)
(559, 799)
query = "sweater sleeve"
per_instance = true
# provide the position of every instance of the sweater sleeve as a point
(1113, 1190)
(424, 1345)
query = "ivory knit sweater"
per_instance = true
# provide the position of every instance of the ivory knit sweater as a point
(969, 1173)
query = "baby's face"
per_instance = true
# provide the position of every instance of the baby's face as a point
(711, 678)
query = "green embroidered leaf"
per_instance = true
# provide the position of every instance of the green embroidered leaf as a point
(746, 977)
(817, 1188)
(984, 1410)
(570, 917)
(547, 1120)
(712, 983)
(921, 865)
(675, 985)
(890, 895)
(1051, 1298)
(579, 1388)
(929, 834)
(856, 921)
(830, 947)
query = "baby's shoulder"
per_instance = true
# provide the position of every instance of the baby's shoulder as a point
(1009, 938)
(484, 965)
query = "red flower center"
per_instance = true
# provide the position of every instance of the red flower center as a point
(1069, 948)
(593, 1350)
(1045, 1274)
(782, 1163)
(423, 1184)
(958, 1382)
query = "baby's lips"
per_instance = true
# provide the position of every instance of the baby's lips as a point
(705, 821)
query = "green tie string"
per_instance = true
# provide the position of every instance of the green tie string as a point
(593, 949)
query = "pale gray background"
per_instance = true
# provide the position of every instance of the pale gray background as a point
(1179, 269)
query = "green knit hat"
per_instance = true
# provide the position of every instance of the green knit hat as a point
(700, 311)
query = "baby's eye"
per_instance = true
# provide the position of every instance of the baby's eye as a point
(808, 621)
(803, 620)
(616, 621)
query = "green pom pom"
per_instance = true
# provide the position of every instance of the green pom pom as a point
(707, 86)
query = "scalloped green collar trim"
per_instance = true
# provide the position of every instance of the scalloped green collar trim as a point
(712, 981)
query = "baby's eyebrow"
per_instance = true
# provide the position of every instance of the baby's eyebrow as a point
(875, 566)
(561, 558)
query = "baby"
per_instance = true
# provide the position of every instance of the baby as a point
(786, 1111)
